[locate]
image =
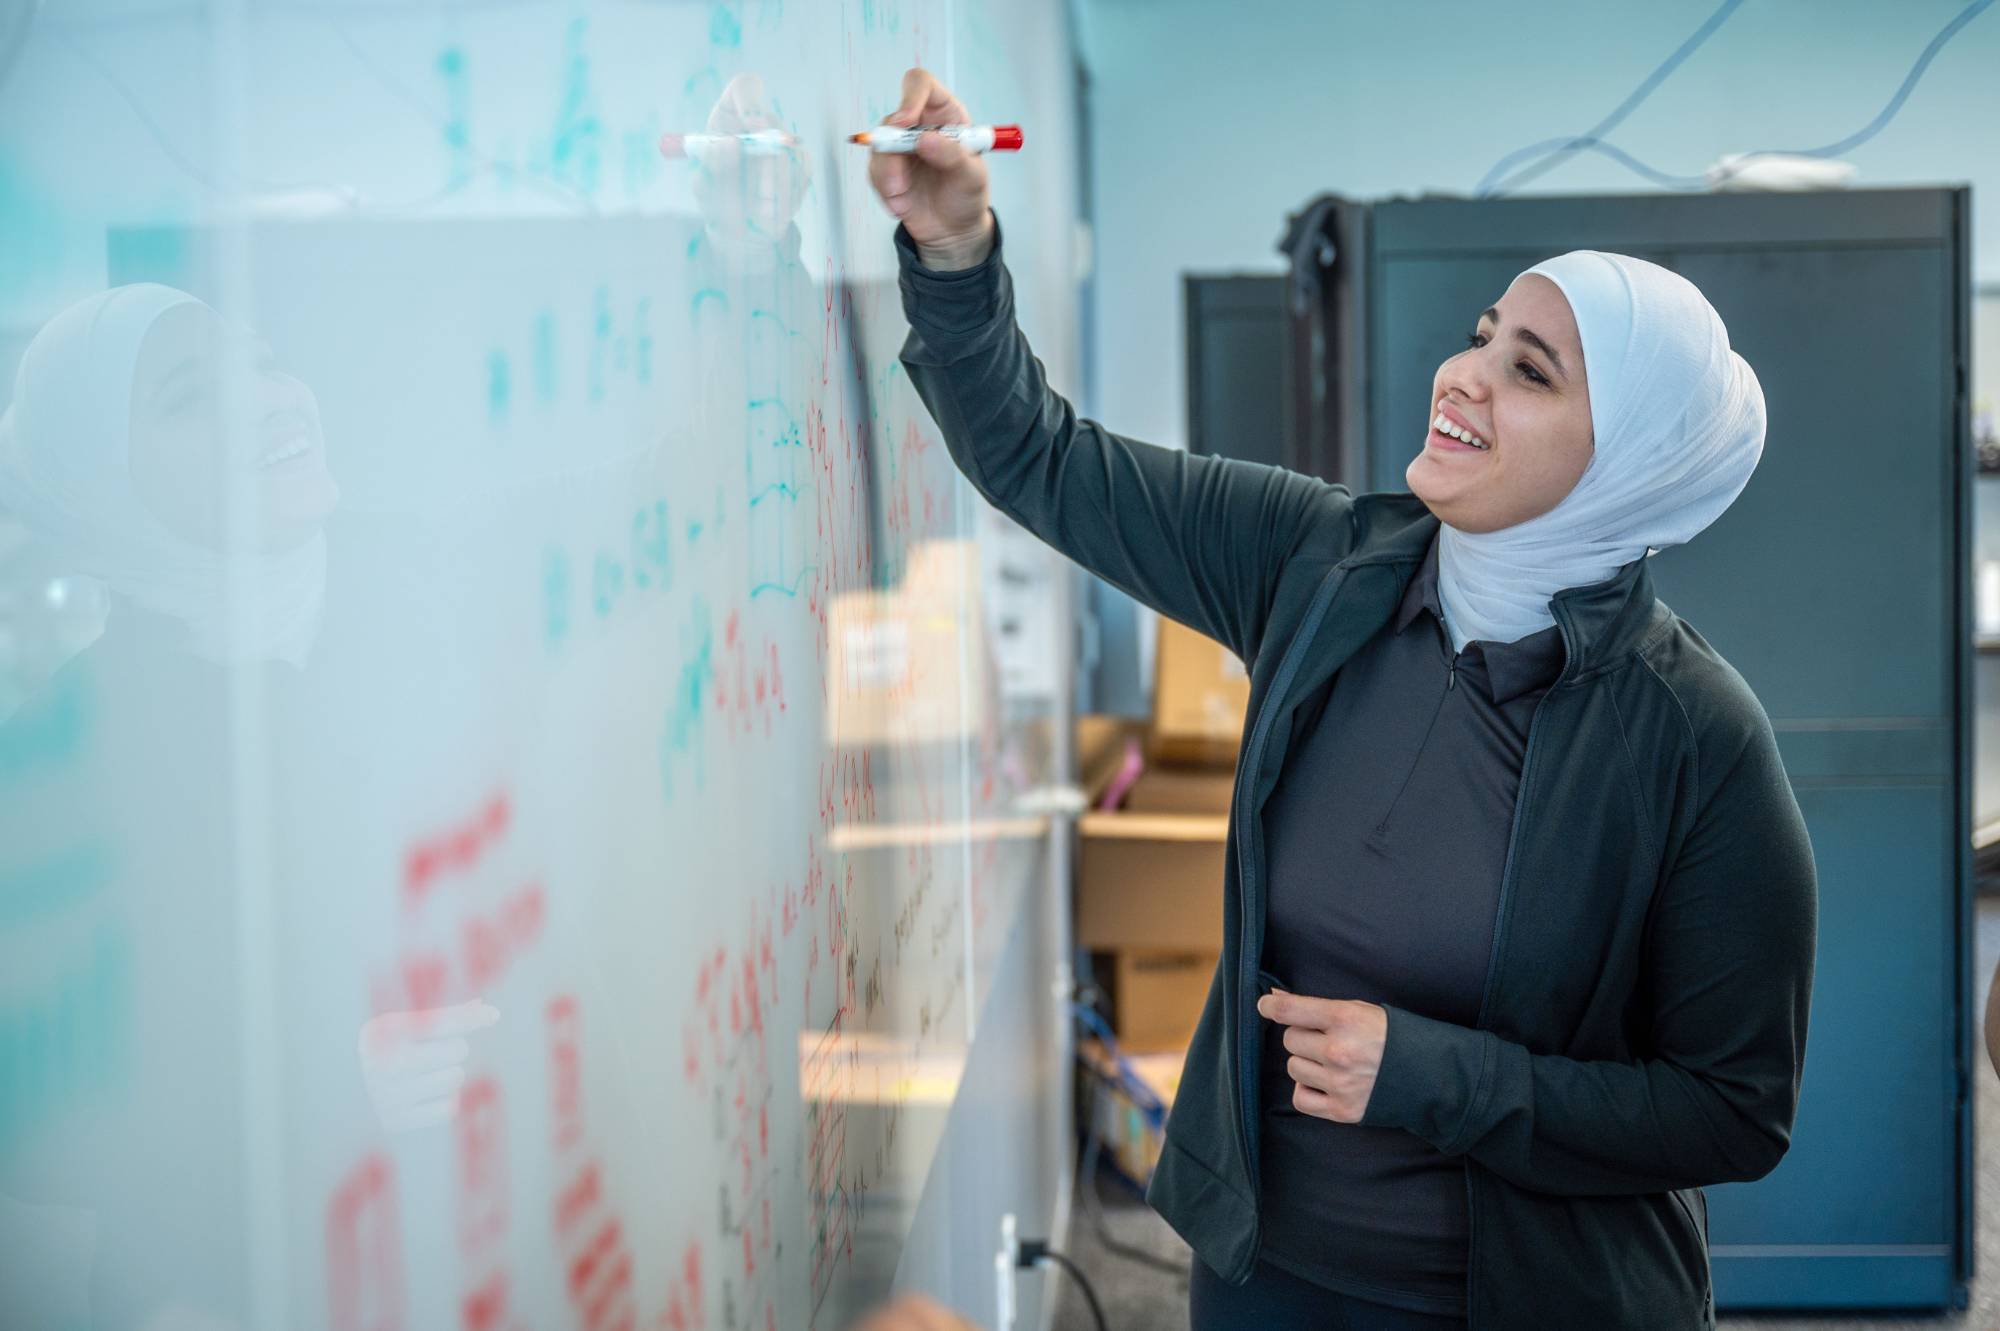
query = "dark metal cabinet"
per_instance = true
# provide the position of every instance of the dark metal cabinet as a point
(1838, 584)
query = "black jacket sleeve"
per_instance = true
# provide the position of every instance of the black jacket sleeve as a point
(1199, 539)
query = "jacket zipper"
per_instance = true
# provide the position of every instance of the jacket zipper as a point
(1247, 961)
(1493, 968)
(1507, 872)
(1450, 679)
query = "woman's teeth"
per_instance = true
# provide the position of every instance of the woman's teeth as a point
(1443, 426)
(285, 449)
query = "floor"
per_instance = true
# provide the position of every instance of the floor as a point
(1136, 1293)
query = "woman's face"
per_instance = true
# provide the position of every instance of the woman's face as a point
(191, 450)
(1519, 387)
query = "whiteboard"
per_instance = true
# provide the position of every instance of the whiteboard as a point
(524, 769)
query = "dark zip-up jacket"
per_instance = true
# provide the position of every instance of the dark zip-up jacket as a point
(1642, 1029)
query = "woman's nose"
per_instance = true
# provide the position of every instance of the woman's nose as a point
(1466, 378)
(282, 392)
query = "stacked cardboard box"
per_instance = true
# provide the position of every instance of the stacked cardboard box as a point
(1149, 867)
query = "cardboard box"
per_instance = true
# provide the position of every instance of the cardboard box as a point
(1150, 880)
(1201, 694)
(1100, 740)
(1125, 1103)
(1156, 997)
(1182, 790)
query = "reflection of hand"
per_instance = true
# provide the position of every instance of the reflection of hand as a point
(414, 1062)
(749, 194)
(914, 1312)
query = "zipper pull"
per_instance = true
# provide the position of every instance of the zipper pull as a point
(1450, 674)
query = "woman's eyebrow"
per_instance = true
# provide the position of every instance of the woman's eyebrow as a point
(1533, 339)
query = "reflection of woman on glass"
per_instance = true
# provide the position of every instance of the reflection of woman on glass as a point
(118, 453)
(138, 454)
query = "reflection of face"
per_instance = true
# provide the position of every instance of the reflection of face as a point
(1512, 393)
(751, 193)
(188, 454)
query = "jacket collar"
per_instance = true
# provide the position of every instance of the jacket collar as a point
(1602, 623)
(1510, 669)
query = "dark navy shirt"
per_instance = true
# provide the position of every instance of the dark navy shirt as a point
(1388, 830)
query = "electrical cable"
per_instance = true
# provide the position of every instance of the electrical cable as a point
(1705, 182)
(1566, 148)
(1034, 1252)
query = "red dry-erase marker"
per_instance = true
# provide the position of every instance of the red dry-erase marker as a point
(972, 138)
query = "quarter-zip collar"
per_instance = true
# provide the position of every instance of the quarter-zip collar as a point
(1603, 623)
(1510, 668)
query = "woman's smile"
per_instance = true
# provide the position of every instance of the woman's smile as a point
(1451, 433)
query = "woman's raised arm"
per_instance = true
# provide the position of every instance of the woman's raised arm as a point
(1200, 539)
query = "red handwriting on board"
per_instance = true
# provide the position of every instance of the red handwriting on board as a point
(454, 850)
(432, 967)
(364, 1271)
(493, 940)
(485, 1308)
(425, 977)
(726, 1035)
(482, 1168)
(743, 691)
(566, 1069)
(590, 1240)
(685, 1303)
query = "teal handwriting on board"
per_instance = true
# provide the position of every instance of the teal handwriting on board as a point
(523, 829)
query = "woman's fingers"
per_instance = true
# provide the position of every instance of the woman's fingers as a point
(890, 175)
(1308, 1101)
(1305, 1041)
(1307, 1073)
(927, 102)
(940, 152)
(917, 85)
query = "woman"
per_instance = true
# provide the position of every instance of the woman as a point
(1519, 909)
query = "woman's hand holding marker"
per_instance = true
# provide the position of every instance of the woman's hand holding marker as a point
(1336, 1047)
(940, 190)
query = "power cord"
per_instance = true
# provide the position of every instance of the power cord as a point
(1093, 1199)
(1560, 150)
(1034, 1252)
(1563, 147)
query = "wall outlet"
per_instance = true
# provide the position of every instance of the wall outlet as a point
(1005, 1264)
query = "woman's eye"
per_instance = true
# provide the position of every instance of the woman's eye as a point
(1477, 339)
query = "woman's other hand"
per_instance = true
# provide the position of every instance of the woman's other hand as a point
(1336, 1050)
(940, 190)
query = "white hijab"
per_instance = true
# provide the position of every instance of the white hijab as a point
(1678, 423)
(65, 470)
